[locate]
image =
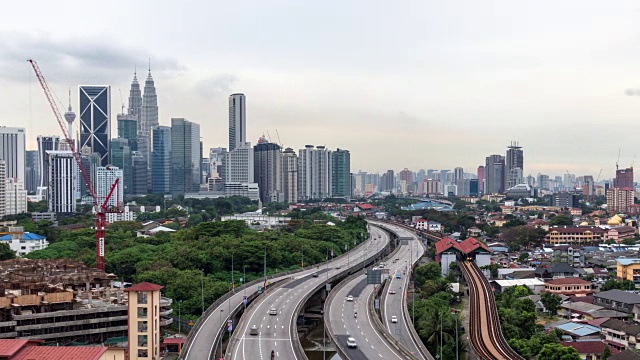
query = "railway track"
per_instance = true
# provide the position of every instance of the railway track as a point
(485, 332)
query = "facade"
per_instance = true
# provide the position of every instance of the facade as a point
(45, 143)
(575, 235)
(290, 176)
(259, 221)
(620, 334)
(314, 173)
(185, 156)
(149, 110)
(62, 192)
(23, 242)
(95, 119)
(341, 174)
(144, 321)
(135, 98)
(569, 286)
(405, 177)
(624, 178)
(239, 165)
(619, 199)
(121, 158)
(481, 178)
(519, 191)
(128, 129)
(249, 190)
(568, 254)
(12, 151)
(628, 269)
(618, 300)
(237, 121)
(514, 165)
(267, 170)
(161, 160)
(565, 200)
(3, 189)
(32, 176)
(139, 174)
(106, 177)
(387, 183)
(217, 158)
(15, 197)
(495, 169)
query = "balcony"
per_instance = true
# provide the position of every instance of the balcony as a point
(164, 321)
(166, 311)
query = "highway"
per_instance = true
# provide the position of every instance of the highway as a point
(393, 304)
(342, 323)
(277, 332)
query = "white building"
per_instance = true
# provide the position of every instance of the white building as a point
(105, 177)
(314, 173)
(12, 151)
(130, 213)
(64, 176)
(239, 166)
(3, 197)
(15, 197)
(237, 121)
(289, 176)
(23, 242)
(258, 220)
(242, 189)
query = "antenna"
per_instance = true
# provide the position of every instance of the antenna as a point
(618, 159)
(121, 101)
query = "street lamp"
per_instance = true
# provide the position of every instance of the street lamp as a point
(202, 289)
(179, 317)
(221, 310)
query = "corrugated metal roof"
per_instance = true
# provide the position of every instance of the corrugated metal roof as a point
(61, 353)
(25, 236)
(578, 329)
(8, 347)
(520, 282)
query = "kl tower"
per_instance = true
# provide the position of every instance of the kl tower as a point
(70, 116)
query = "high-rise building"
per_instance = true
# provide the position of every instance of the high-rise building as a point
(237, 120)
(569, 181)
(3, 189)
(185, 156)
(543, 182)
(135, 98)
(458, 174)
(62, 192)
(95, 119)
(12, 151)
(16, 197)
(239, 165)
(514, 165)
(106, 177)
(268, 170)
(161, 160)
(481, 179)
(624, 178)
(217, 158)
(619, 199)
(121, 158)
(128, 129)
(406, 181)
(314, 173)
(341, 174)
(565, 200)
(45, 143)
(474, 187)
(31, 171)
(290, 176)
(139, 174)
(388, 181)
(494, 168)
(149, 109)
(90, 163)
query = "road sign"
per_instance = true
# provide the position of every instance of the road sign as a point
(376, 304)
(374, 276)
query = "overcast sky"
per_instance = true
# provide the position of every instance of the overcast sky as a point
(417, 84)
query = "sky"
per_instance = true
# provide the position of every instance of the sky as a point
(415, 84)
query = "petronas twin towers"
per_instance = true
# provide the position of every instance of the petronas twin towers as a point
(145, 108)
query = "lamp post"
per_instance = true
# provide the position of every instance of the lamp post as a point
(179, 317)
(202, 289)
(221, 310)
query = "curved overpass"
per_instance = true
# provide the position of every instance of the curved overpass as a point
(278, 332)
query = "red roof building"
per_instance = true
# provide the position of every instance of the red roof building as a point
(466, 247)
(144, 286)
(569, 286)
(589, 349)
(25, 349)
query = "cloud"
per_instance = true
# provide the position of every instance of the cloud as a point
(216, 85)
(96, 59)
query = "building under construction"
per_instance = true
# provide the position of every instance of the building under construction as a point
(64, 302)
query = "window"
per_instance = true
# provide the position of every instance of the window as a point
(142, 298)
(142, 340)
(142, 312)
(142, 326)
(143, 353)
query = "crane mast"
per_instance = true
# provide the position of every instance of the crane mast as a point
(100, 208)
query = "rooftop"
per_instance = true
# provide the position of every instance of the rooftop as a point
(586, 347)
(619, 325)
(11, 346)
(25, 236)
(61, 353)
(578, 329)
(568, 281)
(144, 286)
(626, 297)
(625, 262)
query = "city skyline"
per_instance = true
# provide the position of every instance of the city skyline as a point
(479, 88)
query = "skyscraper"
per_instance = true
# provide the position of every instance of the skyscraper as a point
(185, 156)
(149, 110)
(406, 181)
(45, 143)
(341, 173)
(237, 120)
(106, 177)
(290, 176)
(239, 165)
(95, 120)
(135, 98)
(3, 197)
(128, 129)
(314, 173)
(12, 151)
(121, 158)
(268, 170)
(624, 178)
(388, 181)
(494, 168)
(31, 170)
(63, 182)
(217, 157)
(139, 174)
(458, 174)
(161, 160)
(514, 165)
(481, 179)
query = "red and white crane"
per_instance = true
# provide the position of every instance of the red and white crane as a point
(100, 208)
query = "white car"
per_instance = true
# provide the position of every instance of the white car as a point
(351, 343)
(392, 292)
(273, 311)
(350, 298)
(394, 319)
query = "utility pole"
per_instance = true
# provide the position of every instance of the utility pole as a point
(265, 268)
(202, 289)
(233, 285)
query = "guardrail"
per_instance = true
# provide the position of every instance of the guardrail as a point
(211, 309)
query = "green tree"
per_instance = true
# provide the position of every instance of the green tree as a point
(551, 302)
(560, 220)
(611, 284)
(523, 257)
(606, 353)
(558, 352)
(5, 252)
(427, 272)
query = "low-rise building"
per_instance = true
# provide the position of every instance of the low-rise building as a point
(579, 331)
(26, 349)
(434, 226)
(23, 242)
(620, 233)
(583, 235)
(572, 255)
(259, 221)
(625, 355)
(621, 334)
(569, 286)
(617, 300)
(535, 285)
(628, 269)
(588, 350)
(421, 224)
(556, 271)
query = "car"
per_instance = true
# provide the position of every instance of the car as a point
(398, 276)
(394, 319)
(392, 292)
(338, 267)
(351, 343)
(350, 298)
(273, 311)
(254, 330)
(315, 275)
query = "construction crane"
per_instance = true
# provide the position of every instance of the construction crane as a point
(100, 208)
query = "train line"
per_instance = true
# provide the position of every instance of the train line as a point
(484, 323)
